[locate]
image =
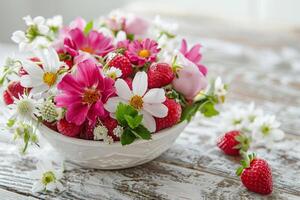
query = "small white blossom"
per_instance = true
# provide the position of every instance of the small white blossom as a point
(100, 132)
(24, 108)
(233, 119)
(161, 27)
(266, 130)
(118, 131)
(55, 21)
(108, 139)
(48, 178)
(113, 73)
(220, 89)
(38, 22)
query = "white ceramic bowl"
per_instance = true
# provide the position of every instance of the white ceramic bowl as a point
(96, 154)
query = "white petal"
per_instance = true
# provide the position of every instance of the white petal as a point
(37, 187)
(149, 122)
(112, 103)
(28, 81)
(39, 89)
(51, 186)
(43, 29)
(140, 83)
(39, 20)
(28, 20)
(156, 95)
(123, 89)
(277, 134)
(156, 110)
(33, 69)
(53, 60)
(18, 36)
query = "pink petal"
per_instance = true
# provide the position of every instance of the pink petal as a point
(69, 85)
(77, 113)
(88, 73)
(95, 110)
(183, 48)
(65, 100)
(78, 37)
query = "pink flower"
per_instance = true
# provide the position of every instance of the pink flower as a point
(84, 93)
(136, 25)
(93, 43)
(140, 52)
(190, 81)
(123, 44)
(193, 55)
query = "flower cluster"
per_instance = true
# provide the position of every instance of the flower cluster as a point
(118, 78)
(263, 128)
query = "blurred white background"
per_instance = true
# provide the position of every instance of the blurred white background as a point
(277, 15)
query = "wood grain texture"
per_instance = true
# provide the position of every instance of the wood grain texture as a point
(259, 67)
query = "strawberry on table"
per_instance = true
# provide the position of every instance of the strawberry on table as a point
(67, 128)
(159, 75)
(233, 142)
(256, 174)
(173, 117)
(121, 62)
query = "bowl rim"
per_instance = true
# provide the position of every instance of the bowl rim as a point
(58, 136)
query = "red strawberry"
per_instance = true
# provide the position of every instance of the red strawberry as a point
(111, 124)
(67, 128)
(121, 62)
(159, 75)
(7, 98)
(87, 132)
(233, 142)
(256, 175)
(173, 117)
(14, 89)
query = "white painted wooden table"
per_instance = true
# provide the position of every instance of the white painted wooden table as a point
(260, 67)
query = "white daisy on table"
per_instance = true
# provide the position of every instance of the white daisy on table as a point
(148, 102)
(233, 119)
(113, 73)
(48, 178)
(253, 113)
(24, 108)
(266, 129)
(42, 79)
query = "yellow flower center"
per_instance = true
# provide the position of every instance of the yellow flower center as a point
(91, 96)
(49, 78)
(144, 53)
(88, 50)
(112, 75)
(136, 102)
(48, 177)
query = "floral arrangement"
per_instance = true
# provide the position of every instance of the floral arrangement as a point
(121, 78)
(118, 78)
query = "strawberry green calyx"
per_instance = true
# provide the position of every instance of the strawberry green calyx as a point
(244, 142)
(245, 162)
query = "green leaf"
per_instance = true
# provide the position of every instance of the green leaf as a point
(26, 140)
(239, 171)
(88, 27)
(142, 132)
(133, 122)
(130, 37)
(189, 111)
(10, 123)
(208, 109)
(127, 137)
(123, 110)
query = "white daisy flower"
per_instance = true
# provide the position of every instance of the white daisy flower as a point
(253, 113)
(220, 89)
(266, 129)
(148, 103)
(161, 27)
(113, 73)
(24, 108)
(233, 119)
(42, 79)
(37, 22)
(100, 132)
(48, 178)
